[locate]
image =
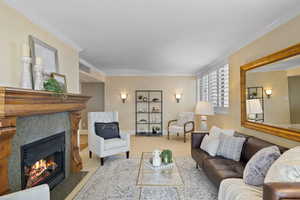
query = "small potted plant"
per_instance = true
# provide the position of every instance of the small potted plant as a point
(52, 85)
(166, 156)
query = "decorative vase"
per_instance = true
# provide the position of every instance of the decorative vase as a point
(26, 81)
(166, 156)
(38, 77)
(156, 160)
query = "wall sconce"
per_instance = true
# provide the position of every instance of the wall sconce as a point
(268, 93)
(124, 97)
(178, 97)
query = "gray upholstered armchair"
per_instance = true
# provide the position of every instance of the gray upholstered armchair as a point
(184, 123)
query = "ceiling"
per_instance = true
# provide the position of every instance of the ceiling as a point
(140, 37)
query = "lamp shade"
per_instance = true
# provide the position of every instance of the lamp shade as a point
(204, 108)
(254, 106)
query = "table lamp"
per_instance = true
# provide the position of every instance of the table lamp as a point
(204, 108)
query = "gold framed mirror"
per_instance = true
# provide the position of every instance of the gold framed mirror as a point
(270, 94)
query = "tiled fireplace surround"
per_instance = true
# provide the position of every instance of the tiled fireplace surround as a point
(27, 116)
(34, 128)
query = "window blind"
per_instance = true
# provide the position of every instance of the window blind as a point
(213, 86)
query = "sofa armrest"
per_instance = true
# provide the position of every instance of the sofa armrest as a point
(281, 191)
(197, 138)
(126, 137)
(96, 144)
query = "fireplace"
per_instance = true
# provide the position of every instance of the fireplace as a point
(43, 161)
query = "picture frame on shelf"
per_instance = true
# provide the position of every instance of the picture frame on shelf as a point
(61, 79)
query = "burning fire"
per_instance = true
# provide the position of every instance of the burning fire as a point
(39, 171)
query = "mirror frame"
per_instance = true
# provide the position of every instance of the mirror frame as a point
(280, 55)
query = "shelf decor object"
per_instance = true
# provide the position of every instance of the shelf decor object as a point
(149, 112)
(26, 82)
(38, 74)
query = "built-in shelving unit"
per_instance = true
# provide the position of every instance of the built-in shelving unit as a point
(149, 112)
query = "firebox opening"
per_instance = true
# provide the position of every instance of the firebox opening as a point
(43, 161)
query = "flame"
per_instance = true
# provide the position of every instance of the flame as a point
(40, 170)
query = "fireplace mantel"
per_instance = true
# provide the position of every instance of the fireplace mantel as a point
(16, 102)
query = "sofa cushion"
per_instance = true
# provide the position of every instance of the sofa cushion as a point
(218, 169)
(114, 143)
(107, 130)
(210, 144)
(236, 189)
(215, 131)
(230, 147)
(258, 166)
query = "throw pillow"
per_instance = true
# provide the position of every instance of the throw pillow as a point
(215, 131)
(210, 144)
(258, 166)
(228, 132)
(230, 147)
(286, 168)
(107, 130)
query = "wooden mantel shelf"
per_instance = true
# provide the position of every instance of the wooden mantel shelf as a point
(16, 102)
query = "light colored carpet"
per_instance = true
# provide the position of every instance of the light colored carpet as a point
(117, 179)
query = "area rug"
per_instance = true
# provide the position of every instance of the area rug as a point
(117, 180)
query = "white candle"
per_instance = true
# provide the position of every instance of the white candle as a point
(25, 50)
(38, 61)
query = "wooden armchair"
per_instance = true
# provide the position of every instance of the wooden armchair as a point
(183, 124)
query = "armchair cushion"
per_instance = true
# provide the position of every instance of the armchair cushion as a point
(176, 129)
(107, 130)
(184, 117)
(114, 143)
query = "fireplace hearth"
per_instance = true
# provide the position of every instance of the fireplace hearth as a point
(43, 161)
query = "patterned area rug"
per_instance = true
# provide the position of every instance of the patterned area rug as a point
(117, 180)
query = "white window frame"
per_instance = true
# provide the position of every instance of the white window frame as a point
(216, 95)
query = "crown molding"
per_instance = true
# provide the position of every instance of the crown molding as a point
(275, 24)
(38, 21)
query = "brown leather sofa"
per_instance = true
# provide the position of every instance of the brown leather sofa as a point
(219, 168)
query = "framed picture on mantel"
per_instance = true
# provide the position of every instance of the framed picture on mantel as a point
(61, 79)
(47, 53)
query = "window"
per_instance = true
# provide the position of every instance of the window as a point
(213, 86)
